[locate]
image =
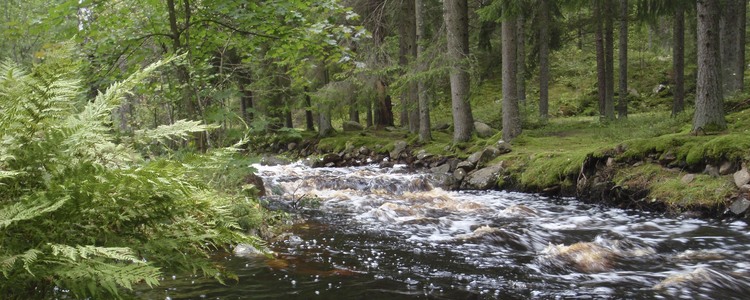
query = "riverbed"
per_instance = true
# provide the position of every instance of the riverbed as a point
(389, 233)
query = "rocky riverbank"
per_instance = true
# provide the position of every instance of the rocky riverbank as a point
(657, 180)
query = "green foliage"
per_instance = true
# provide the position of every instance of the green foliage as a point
(80, 208)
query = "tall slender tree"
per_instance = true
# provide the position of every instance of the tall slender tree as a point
(601, 78)
(732, 56)
(425, 134)
(622, 108)
(407, 53)
(544, 40)
(521, 57)
(609, 65)
(511, 115)
(456, 15)
(709, 103)
(678, 60)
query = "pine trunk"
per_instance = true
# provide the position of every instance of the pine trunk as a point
(731, 24)
(544, 75)
(709, 107)
(425, 134)
(456, 16)
(511, 118)
(609, 68)
(600, 68)
(678, 60)
(521, 59)
(622, 109)
(309, 120)
(407, 53)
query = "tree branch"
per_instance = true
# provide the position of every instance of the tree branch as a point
(228, 26)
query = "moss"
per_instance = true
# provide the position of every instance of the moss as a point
(548, 170)
(703, 192)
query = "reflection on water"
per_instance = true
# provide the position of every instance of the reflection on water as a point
(388, 234)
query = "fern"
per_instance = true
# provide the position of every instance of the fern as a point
(80, 208)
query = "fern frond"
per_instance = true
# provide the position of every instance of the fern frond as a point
(180, 129)
(28, 258)
(88, 251)
(20, 211)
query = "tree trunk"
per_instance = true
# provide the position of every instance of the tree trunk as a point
(353, 109)
(678, 60)
(325, 128)
(456, 16)
(511, 115)
(731, 22)
(544, 39)
(369, 118)
(709, 106)
(600, 63)
(740, 66)
(309, 120)
(407, 53)
(609, 68)
(521, 59)
(383, 111)
(425, 134)
(622, 109)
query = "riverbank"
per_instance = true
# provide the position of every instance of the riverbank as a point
(650, 161)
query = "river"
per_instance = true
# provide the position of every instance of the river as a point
(390, 234)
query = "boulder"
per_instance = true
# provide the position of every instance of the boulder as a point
(741, 177)
(441, 126)
(364, 150)
(727, 168)
(711, 170)
(481, 158)
(502, 146)
(398, 148)
(483, 179)
(465, 165)
(328, 160)
(422, 155)
(745, 188)
(688, 178)
(459, 174)
(247, 250)
(353, 126)
(739, 206)
(484, 130)
(441, 169)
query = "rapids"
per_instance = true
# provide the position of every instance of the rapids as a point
(390, 234)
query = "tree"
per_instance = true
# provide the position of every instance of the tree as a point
(622, 108)
(521, 57)
(456, 15)
(678, 60)
(407, 54)
(425, 134)
(709, 106)
(511, 115)
(544, 41)
(601, 68)
(609, 64)
(732, 45)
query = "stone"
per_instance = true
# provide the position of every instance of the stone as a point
(328, 160)
(726, 168)
(739, 206)
(480, 158)
(483, 179)
(291, 146)
(741, 177)
(398, 148)
(502, 146)
(459, 174)
(667, 158)
(441, 126)
(634, 93)
(391, 129)
(364, 150)
(688, 178)
(465, 165)
(353, 126)
(711, 170)
(745, 188)
(483, 130)
(247, 250)
(610, 161)
(422, 155)
(441, 169)
(659, 88)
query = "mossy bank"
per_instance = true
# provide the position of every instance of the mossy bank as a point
(649, 161)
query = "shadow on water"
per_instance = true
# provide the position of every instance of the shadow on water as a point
(387, 234)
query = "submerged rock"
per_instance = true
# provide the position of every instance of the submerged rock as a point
(247, 250)
(702, 277)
